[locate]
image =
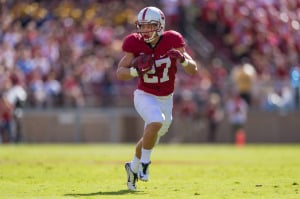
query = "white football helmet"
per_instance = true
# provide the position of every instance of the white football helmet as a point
(154, 16)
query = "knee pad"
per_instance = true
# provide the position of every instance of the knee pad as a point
(163, 130)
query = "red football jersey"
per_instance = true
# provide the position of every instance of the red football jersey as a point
(160, 79)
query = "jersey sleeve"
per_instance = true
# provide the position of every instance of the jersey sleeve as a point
(129, 43)
(176, 39)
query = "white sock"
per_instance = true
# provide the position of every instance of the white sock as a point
(145, 158)
(134, 164)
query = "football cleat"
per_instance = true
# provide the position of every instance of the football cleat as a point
(144, 171)
(131, 177)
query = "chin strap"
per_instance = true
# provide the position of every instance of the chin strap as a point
(153, 36)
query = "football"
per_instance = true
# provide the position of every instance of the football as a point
(135, 61)
(142, 59)
(143, 63)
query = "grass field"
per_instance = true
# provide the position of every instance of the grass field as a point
(177, 171)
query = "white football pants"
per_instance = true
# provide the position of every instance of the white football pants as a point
(154, 109)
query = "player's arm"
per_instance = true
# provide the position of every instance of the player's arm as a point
(125, 71)
(188, 63)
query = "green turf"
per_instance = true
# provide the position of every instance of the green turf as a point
(177, 171)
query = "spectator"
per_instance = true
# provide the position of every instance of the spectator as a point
(295, 84)
(52, 89)
(243, 79)
(6, 112)
(280, 99)
(214, 115)
(236, 110)
(72, 92)
(36, 90)
(16, 96)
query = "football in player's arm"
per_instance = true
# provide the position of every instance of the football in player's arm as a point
(126, 68)
(152, 55)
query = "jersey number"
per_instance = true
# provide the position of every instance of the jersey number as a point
(150, 76)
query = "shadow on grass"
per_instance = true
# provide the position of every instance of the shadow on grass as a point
(120, 192)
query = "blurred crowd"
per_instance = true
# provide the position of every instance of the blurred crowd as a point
(265, 34)
(57, 54)
(64, 53)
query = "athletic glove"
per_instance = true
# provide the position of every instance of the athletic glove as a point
(176, 54)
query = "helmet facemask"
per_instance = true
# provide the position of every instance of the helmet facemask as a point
(149, 31)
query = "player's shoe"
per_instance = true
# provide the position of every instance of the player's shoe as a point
(144, 171)
(131, 177)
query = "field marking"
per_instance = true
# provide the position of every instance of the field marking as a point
(166, 162)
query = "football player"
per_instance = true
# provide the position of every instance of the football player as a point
(152, 55)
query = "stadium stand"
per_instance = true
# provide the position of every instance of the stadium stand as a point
(65, 52)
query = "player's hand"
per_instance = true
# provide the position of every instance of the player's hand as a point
(176, 54)
(144, 64)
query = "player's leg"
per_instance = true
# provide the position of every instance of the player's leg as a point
(144, 104)
(166, 106)
(135, 162)
(158, 115)
(150, 135)
(132, 167)
(149, 109)
(149, 141)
